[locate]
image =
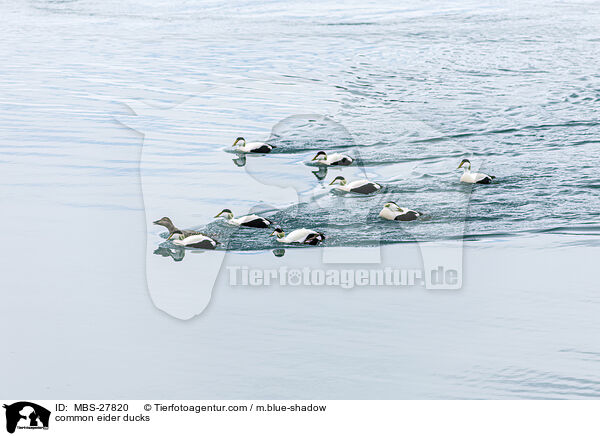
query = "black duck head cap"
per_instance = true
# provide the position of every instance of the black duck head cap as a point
(340, 178)
(276, 231)
(227, 211)
(465, 162)
(239, 139)
(321, 153)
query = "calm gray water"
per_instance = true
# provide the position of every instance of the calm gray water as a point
(118, 113)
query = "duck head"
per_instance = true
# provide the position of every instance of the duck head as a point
(165, 222)
(339, 179)
(278, 232)
(320, 156)
(226, 213)
(466, 163)
(393, 206)
(239, 139)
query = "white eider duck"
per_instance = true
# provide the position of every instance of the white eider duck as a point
(246, 220)
(362, 186)
(469, 177)
(252, 147)
(187, 238)
(196, 241)
(299, 236)
(335, 159)
(391, 211)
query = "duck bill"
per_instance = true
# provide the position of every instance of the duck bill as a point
(156, 222)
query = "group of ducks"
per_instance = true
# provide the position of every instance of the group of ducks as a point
(391, 211)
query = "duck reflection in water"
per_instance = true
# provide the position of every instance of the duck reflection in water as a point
(177, 254)
(279, 252)
(240, 161)
(321, 173)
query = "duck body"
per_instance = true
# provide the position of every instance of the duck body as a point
(251, 221)
(246, 220)
(256, 147)
(362, 186)
(196, 241)
(469, 177)
(183, 234)
(252, 147)
(481, 178)
(335, 159)
(300, 236)
(395, 213)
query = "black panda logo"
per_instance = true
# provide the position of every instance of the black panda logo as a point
(26, 415)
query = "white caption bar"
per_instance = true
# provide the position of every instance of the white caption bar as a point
(160, 417)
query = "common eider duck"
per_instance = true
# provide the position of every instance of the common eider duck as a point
(252, 147)
(335, 159)
(391, 211)
(469, 177)
(196, 241)
(246, 220)
(186, 238)
(362, 186)
(299, 236)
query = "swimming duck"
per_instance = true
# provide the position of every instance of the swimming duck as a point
(173, 231)
(196, 241)
(362, 186)
(252, 147)
(391, 211)
(469, 177)
(299, 236)
(333, 159)
(246, 220)
(186, 238)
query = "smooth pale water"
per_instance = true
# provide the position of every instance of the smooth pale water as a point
(118, 113)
